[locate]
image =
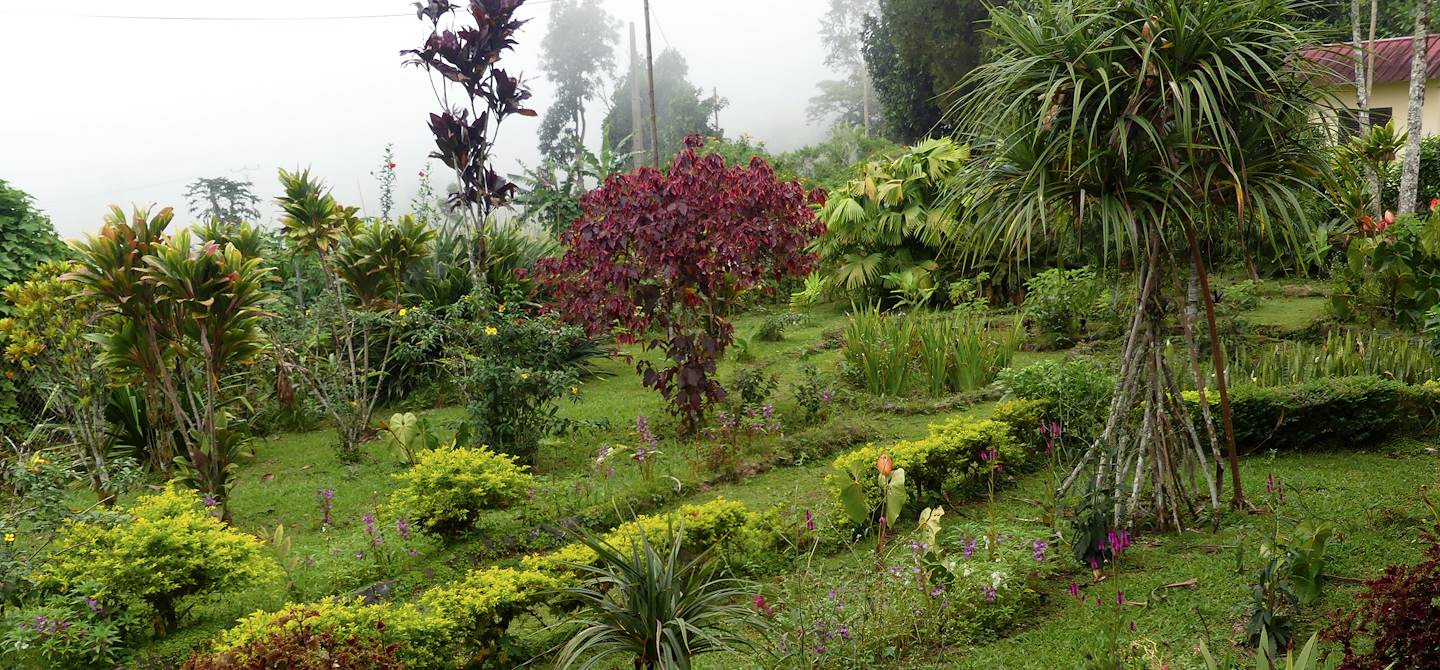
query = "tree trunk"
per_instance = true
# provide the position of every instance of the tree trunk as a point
(1156, 452)
(1217, 357)
(1362, 93)
(1410, 167)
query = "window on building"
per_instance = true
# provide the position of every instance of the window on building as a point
(1350, 119)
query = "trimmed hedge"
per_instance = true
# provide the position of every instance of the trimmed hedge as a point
(738, 536)
(451, 626)
(1326, 413)
(942, 465)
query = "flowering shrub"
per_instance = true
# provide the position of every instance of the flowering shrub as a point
(1393, 623)
(948, 462)
(512, 369)
(659, 255)
(68, 630)
(963, 588)
(160, 551)
(449, 487)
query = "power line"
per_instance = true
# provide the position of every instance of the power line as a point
(46, 15)
(127, 17)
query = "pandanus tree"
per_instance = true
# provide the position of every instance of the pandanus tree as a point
(183, 321)
(1148, 123)
(465, 129)
(365, 265)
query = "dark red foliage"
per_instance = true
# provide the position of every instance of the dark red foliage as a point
(1397, 619)
(468, 57)
(305, 648)
(657, 255)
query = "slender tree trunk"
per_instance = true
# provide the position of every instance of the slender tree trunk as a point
(1217, 357)
(1410, 167)
(650, 78)
(637, 134)
(1362, 95)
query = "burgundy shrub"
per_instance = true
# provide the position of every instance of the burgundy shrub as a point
(657, 257)
(1397, 619)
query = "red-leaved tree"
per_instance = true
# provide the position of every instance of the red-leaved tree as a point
(657, 255)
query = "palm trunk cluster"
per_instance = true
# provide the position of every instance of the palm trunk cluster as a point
(1150, 437)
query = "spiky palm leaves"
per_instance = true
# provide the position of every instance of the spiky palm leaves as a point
(655, 608)
(1142, 122)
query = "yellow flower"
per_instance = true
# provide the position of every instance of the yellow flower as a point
(404, 311)
(9, 537)
(490, 330)
(524, 375)
(500, 308)
(40, 460)
(574, 389)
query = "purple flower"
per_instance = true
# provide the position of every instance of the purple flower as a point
(1119, 597)
(1075, 591)
(809, 521)
(413, 553)
(93, 604)
(1040, 547)
(403, 525)
(969, 549)
(359, 554)
(327, 496)
(369, 519)
(937, 591)
(210, 500)
(989, 593)
(844, 632)
(1270, 483)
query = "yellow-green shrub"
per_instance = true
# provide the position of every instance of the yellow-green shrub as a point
(450, 626)
(483, 604)
(425, 641)
(1024, 418)
(449, 487)
(943, 464)
(733, 531)
(163, 549)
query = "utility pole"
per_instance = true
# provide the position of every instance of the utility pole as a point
(715, 94)
(865, 92)
(637, 132)
(650, 75)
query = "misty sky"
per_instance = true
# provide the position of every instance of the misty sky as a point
(98, 111)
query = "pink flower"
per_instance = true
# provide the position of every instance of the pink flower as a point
(390, 165)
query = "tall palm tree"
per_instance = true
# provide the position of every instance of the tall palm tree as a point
(1149, 123)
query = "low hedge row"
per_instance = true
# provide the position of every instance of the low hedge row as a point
(460, 624)
(948, 462)
(449, 627)
(1325, 413)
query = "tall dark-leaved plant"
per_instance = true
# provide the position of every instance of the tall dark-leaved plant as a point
(467, 124)
(658, 256)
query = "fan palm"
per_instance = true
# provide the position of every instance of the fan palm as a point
(1147, 123)
(653, 607)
